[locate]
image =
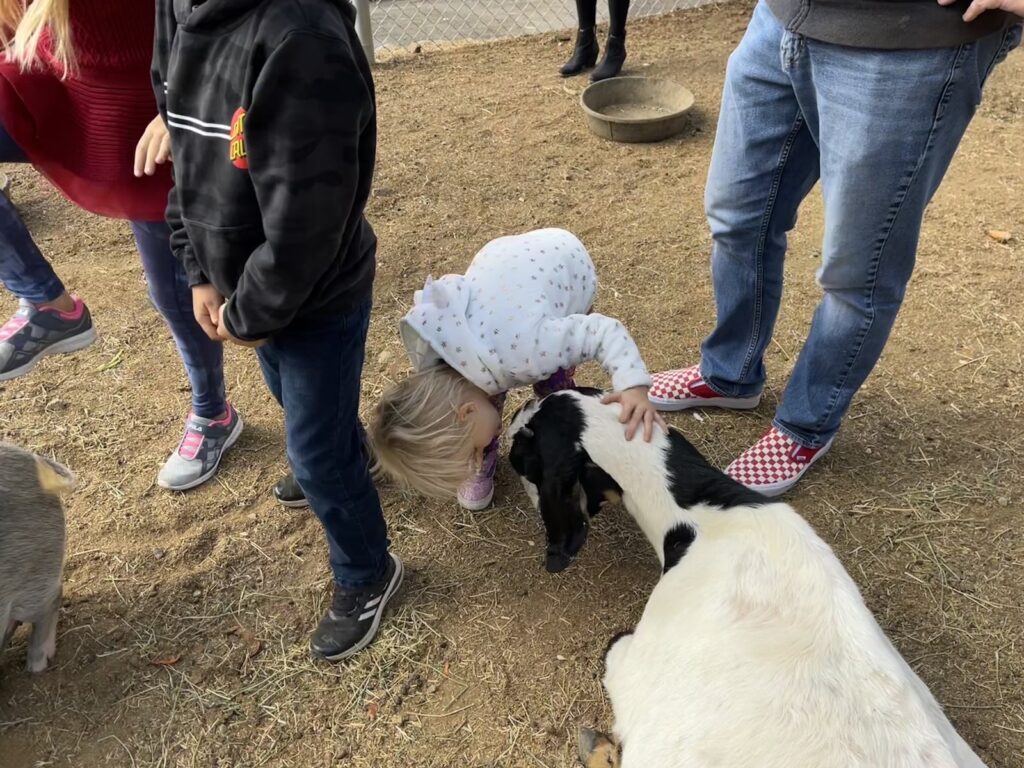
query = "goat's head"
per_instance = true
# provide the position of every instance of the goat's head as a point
(561, 480)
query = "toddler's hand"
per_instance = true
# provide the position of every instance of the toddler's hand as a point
(637, 409)
(153, 149)
(978, 7)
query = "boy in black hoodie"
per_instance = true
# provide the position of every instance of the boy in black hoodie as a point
(272, 117)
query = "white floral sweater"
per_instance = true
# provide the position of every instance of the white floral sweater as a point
(518, 315)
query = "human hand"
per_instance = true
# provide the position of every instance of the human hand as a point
(637, 409)
(978, 7)
(153, 149)
(226, 335)
(206, 304)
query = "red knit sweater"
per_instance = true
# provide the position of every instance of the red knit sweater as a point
(81, 131)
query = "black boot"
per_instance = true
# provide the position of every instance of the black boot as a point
(584, 56)
(614, 57)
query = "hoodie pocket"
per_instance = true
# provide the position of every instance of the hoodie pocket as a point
(223, 251)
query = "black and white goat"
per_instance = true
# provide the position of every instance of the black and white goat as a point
(755, 649)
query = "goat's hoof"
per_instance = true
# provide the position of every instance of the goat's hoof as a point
(597, 750)
(556, 562)
(37, 665)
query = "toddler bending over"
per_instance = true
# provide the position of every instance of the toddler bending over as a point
(519, 316)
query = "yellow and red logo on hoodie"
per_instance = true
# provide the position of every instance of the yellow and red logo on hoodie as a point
(237, 144)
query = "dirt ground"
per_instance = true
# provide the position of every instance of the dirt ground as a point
(183, 636)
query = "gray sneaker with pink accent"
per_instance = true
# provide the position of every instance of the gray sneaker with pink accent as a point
(32, 334)
(198, 455)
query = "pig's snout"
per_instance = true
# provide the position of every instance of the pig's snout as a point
(54, 478)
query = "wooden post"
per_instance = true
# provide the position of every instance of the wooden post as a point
(364, 28)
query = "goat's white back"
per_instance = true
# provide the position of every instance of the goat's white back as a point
(756, 650)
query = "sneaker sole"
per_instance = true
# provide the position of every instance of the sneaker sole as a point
(63, 347)
(775, 490)
(232, 439)
(728, 403)
(371, 633)
(477, 506)
(297, 504)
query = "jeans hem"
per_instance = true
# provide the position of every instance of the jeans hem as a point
(734, 393)
(803, 439)
(359, 584)
(213, 412)
(50, 293)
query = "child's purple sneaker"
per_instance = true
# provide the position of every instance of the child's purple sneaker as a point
(477, 492)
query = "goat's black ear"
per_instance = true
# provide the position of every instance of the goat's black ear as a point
(565, 523)
(517, 456)
(598, 486)
(523, 457)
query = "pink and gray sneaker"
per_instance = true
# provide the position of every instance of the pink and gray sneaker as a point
(198, 456)
(477, 492)
(685, 388)
(32, 334)
(774, 463)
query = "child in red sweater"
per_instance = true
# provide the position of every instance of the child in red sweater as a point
(76, 115)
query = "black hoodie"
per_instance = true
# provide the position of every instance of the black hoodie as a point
(270, 105)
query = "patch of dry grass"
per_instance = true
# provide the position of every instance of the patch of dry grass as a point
(183, 639)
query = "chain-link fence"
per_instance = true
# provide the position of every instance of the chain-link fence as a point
(407, 24)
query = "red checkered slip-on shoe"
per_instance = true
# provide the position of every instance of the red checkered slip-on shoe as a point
(774, 463)
(685, 388)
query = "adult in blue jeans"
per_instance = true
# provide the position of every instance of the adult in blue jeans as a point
(871, 100)
(76, 115)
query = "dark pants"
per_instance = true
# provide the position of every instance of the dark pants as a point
(313, 369)
(171, 295)
(586, 14)
(28, 275)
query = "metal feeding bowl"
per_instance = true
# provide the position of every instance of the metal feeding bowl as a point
(636, 109)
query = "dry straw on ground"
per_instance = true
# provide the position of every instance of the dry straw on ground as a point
(183, 636)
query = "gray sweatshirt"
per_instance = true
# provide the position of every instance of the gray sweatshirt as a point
(887, 24)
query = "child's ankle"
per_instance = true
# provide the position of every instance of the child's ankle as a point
(65, 304)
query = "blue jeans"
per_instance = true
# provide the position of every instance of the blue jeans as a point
(878, 129)
(313, 369)
(28, 275)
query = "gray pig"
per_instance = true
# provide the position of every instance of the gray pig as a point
(31, 549)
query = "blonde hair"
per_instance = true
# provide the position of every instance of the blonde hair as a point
(22, 23)
(417, 437)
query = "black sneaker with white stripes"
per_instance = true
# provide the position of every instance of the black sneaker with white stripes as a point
(351, 622)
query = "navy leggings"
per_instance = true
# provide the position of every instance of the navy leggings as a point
(28, 275)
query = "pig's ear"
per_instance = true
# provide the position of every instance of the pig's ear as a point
(54, 478)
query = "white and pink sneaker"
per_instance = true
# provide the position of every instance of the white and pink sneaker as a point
(198, 455)
(774, 463)
(685, 388)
